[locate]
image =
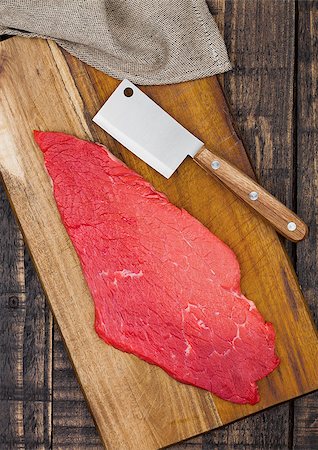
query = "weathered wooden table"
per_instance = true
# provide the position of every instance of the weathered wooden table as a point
(272, 93)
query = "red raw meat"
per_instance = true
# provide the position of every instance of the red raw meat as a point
(165, 288)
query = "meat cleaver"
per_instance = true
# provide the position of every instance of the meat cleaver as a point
(142, 126)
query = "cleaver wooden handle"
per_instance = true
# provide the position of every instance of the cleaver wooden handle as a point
(277, 214)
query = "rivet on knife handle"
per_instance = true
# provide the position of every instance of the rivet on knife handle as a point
(283, 219)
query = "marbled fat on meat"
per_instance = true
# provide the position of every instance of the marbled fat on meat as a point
(165, 288)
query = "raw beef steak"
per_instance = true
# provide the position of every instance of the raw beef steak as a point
(165, 288)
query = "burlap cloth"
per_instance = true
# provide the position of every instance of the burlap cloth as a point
(146, 41)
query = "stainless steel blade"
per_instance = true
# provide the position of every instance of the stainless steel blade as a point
(138, 123)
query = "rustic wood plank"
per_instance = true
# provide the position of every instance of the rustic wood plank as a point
(12, 317)
(25, 325)
(260, 94)
(11, 251)
(37, 358)
(268, 430)
(195, 443)
(73, 425)
(306, 408)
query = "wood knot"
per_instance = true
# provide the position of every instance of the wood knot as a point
(13, 302)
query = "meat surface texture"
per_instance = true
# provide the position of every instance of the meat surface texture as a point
(164, 287)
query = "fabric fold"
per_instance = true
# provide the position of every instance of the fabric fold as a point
(146, 41)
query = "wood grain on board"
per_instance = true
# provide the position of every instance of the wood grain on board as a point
(134, 403)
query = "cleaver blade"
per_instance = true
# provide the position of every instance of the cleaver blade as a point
(143, 127)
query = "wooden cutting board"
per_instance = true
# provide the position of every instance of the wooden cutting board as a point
(136, 405)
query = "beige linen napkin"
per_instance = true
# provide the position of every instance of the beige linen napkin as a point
(146, 41)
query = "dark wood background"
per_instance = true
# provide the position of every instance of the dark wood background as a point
(272, 92)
